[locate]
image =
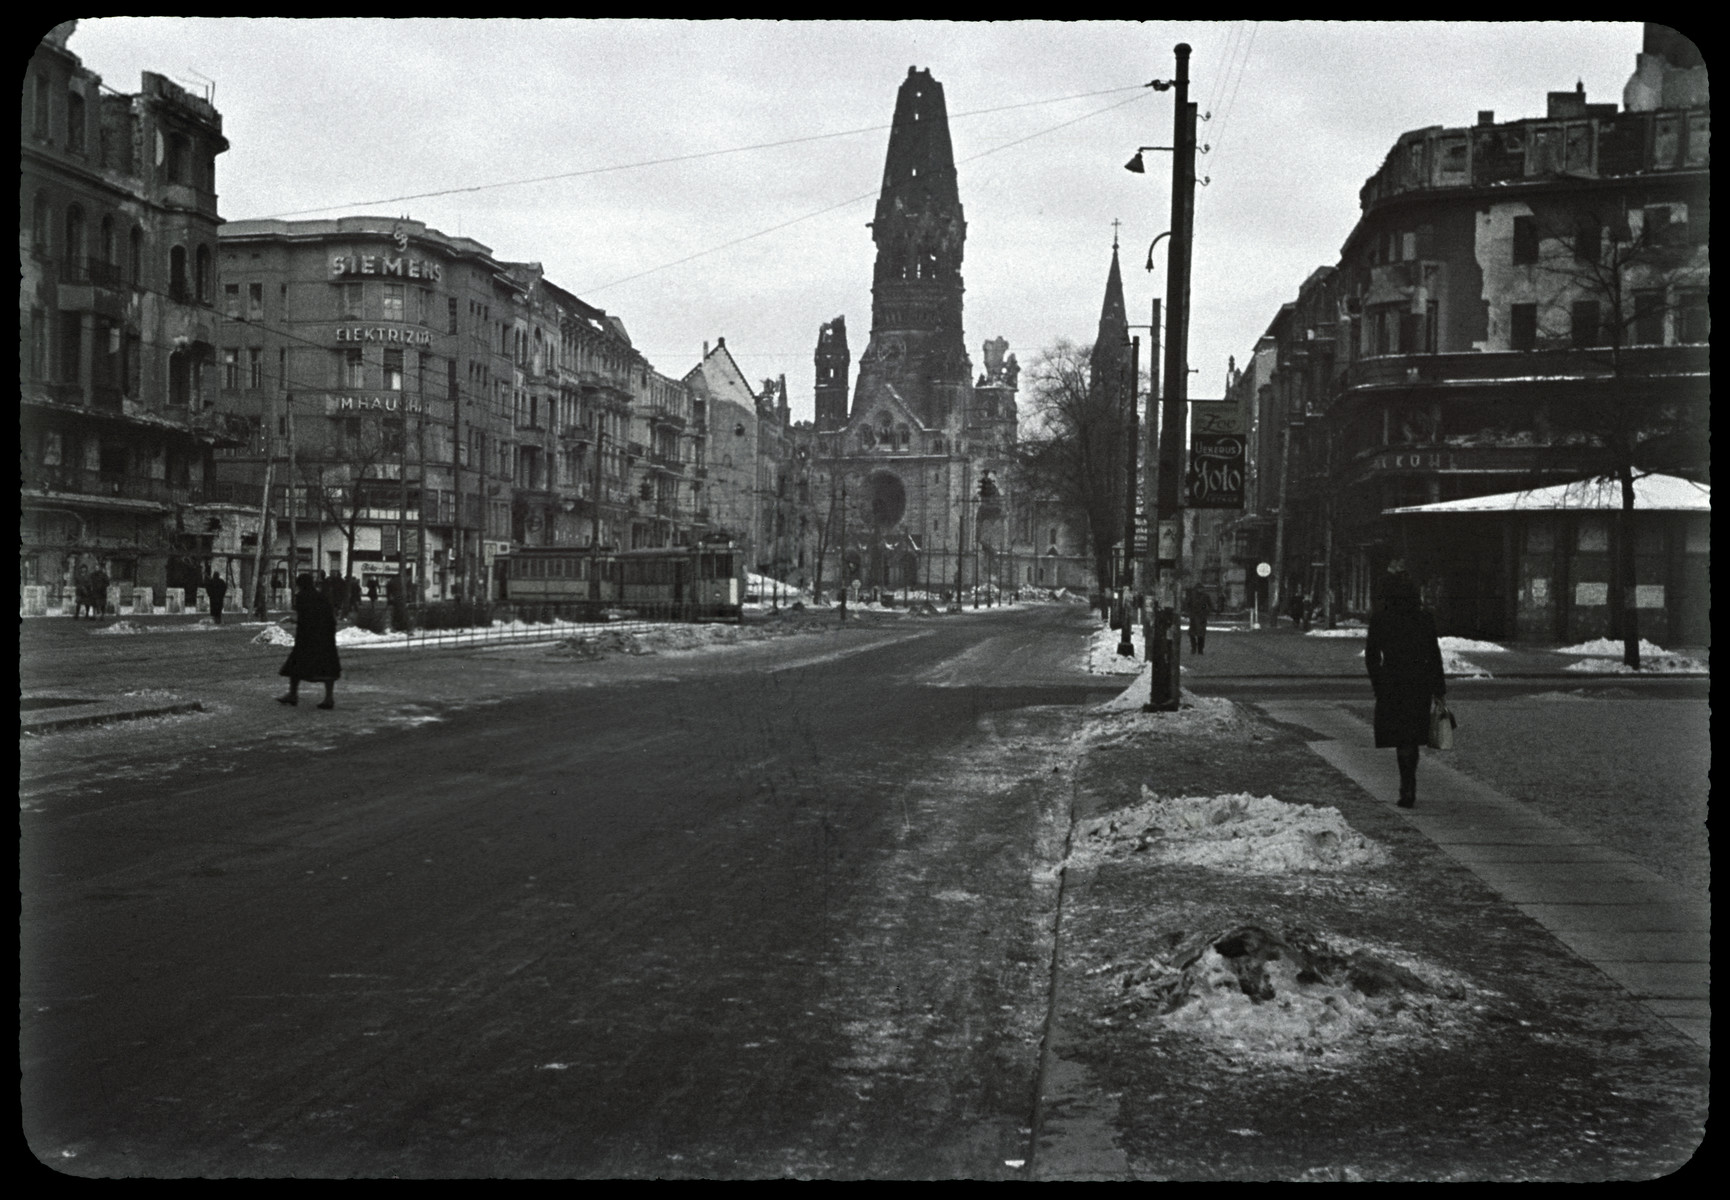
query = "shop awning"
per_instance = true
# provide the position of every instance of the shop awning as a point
(1653, 493)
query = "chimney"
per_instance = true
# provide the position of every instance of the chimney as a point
(705, 349)
(1486, 116)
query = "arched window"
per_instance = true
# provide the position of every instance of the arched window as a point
(108, 240)
(137, 256)
(177, 288)
(41, 217)
(204, 274)
(75, 250)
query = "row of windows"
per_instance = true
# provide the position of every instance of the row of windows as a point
(188, 283)
(1660, 225)
(1690, 318)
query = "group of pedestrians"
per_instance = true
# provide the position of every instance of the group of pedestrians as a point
(89, 593)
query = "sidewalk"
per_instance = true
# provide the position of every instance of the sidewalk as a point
(1462, 991)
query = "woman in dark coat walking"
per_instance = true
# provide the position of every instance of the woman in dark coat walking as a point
(1404, 659)
(314, 655)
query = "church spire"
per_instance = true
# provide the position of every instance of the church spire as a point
(1111, 347)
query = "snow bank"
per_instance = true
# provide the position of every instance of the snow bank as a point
(1238, 832)
(1460, 643)
(1453, 664)
(1102, 655)
(1291, 997)
(1658, 663)
(1344, 631)
(118, 629)
(1605, 648)
(273, 635)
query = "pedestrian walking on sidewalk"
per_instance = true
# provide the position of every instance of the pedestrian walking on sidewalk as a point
(1404, 659)
(1199, 608)
(216, 589)
(314, 655)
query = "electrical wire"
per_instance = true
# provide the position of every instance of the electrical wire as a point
(676, 158)
(1225, 118)
(1141, 93)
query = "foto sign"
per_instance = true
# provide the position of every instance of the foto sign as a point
(1216, 470)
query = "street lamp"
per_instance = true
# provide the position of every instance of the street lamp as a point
(1167, 535)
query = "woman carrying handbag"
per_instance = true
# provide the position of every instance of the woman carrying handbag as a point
(1404, 659)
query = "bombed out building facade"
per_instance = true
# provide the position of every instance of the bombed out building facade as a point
(909, 467)
(1522, 306)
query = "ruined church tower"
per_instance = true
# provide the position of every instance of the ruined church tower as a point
(832, 360)
(916, 350)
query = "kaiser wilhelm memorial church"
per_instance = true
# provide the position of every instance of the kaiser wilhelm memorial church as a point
(918, 465)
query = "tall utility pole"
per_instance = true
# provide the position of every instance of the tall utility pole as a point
(1150, 480)
(595, 512)
(1125, 645)
(1169, 532)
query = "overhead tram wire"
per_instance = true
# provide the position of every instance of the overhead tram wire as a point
(872, 194)
(1231, 102)
(676, 158)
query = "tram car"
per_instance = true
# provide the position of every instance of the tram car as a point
(705, 581)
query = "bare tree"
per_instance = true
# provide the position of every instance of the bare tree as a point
(357, 452)
(1619, 278)
(1072, 447)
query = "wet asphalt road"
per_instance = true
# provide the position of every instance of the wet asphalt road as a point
(728, 918)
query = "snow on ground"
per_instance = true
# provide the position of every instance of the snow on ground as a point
(1606, 648)
(1257, 835)
(1658, 663)
(273, 635)
(1346, 631)
(206, 625)
(1261, 997)
(1454, 665)
(118, 629)
(1102, 655)
(1471, 644)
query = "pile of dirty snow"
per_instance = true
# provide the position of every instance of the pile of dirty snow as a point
(1606, 648)
(1256, 835)
(1345, 631)
(1102, 655)
(273, 635)
(1453, 664)
(1290, 996)
(1661, 663)
(120, 628)
(1472, 644)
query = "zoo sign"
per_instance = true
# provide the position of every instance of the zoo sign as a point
(1216, 471)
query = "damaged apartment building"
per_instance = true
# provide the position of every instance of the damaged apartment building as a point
(1521, 310)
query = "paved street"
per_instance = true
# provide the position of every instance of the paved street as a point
(785, 907)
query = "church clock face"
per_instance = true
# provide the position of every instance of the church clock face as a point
(893, 353)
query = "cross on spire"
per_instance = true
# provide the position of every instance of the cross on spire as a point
(1114, 224)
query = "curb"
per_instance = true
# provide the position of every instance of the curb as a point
(101, 714)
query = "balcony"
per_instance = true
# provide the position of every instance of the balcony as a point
(1533, 366)
(666, 417)
(113, 484)
(666, 464)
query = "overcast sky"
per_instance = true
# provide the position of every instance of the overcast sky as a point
(344, 116)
